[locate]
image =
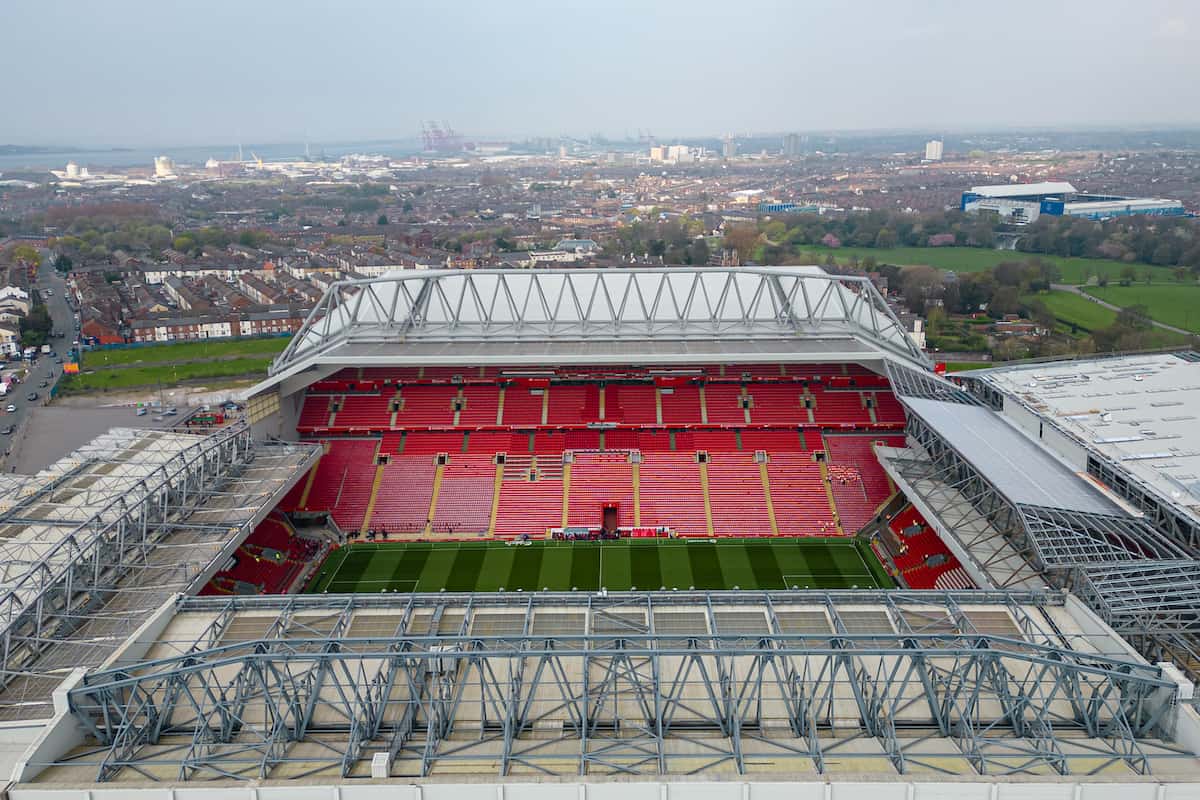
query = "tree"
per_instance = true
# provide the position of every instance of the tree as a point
(383, 220)
(935, 320)
(1041, 314)
(26, 253)
(1182, 274)
(744, 239)
(1006, 300)
(407, 207)
(919, 284)
(885, 239)
(1136, 317)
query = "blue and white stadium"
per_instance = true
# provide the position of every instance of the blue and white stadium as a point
(1025, 202)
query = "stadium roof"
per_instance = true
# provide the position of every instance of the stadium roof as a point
(1037, 510)
(298, 693)
(1024, 189)
(664, 315)
(1017, 465)
(1139, 413)
(92, 545)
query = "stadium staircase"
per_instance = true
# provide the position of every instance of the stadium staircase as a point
(833, 509)
(371, 501)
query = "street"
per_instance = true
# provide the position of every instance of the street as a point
(44, 369)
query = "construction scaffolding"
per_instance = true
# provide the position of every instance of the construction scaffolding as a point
(1138, 579)
(743, 683)
(94, 544)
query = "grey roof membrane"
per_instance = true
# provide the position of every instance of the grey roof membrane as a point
(1015, 464)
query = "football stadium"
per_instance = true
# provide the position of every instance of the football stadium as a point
(637, 533)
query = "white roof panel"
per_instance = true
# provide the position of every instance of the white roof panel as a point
(1023, 189)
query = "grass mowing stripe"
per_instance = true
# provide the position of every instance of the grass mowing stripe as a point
(616, 567)
(585, 567)
(706, 568)
(556, 566)
(736, 569)
(464, 575)
(437, 569)
(645, 567)
(766, 568)
(673, 564)
(526, 568)
(497, 566)
(410, 565)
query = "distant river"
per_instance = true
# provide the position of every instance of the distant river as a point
(99, 160)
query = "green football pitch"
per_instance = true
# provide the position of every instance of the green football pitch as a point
(623, 565)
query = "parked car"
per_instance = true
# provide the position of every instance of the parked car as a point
(11, 409)
(31, 396)
(44, 384)
(7, 430)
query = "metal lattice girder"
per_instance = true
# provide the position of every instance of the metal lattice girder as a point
(650, 683)
(1135, 577)
(1157, 596)
(594, 305)
(103, 542)
(927, 386)
(969, 513)
(1072, 538)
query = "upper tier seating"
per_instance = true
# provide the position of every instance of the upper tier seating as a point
(315, 412)
(681, 405)
(632, 404)
(723, 401)
(427, 405)
(840, 407)
(776, 404)
(368, 412)
(481, 405)
(521, 407)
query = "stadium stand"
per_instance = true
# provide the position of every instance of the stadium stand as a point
(602, 415)
(924, 561)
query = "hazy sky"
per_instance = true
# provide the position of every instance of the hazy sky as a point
(174, 72)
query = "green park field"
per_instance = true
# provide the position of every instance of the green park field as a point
(622, 565)
(158, 354)
(1173, 303)
(976, 259)
(169, 364)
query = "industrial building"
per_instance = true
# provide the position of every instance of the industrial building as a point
(1035, 638)
(1023, 203)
